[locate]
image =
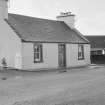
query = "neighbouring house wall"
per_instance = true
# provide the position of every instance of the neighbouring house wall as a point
(72, 55)
(50, 56)
(10, 45)
(3, 9)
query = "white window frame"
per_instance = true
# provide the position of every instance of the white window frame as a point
(80, 52)
(38, 53)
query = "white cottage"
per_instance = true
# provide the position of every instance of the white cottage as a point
(31, 43)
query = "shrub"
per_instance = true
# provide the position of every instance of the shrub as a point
(4, 63)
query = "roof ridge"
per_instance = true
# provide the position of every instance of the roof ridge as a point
(32, 17)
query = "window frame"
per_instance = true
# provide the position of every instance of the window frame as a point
(81, 52)
(38, 51)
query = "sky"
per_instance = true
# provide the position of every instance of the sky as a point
(90, 14)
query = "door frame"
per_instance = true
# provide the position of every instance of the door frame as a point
(60, 46)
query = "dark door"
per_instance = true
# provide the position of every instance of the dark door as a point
(62, 55)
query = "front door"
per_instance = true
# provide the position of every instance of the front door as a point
(62, 55)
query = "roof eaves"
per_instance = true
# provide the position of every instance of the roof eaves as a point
(83, 37)
(26, 41)
(79, 34)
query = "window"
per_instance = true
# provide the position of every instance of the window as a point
(38, 53)
(80, 52)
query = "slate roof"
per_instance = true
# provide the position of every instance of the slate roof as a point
(97, 42)
(43, 30)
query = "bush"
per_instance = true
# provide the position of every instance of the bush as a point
(4, 63)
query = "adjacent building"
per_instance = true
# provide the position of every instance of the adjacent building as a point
(97, 48)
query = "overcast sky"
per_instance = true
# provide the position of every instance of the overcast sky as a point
(90, 14)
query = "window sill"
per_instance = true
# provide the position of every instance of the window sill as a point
(38, 61)
(80, 58)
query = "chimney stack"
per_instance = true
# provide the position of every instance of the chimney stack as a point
(68, 18)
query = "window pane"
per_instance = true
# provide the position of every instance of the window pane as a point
(35, 48)
(37, 52)
(38, 48)
(35, 56)
(38, 55)
(80, 52)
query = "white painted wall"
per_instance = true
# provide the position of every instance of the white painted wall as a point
(72, 55)
(50, 56)
(10, 45)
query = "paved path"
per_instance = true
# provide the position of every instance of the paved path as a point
(83, 87)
